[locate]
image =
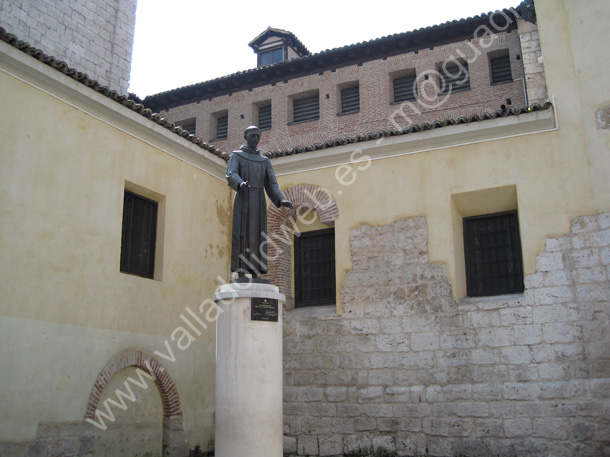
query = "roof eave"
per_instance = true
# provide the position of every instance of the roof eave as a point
(334, 58)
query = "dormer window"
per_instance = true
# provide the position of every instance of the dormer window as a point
(277, 45)
(270, 57)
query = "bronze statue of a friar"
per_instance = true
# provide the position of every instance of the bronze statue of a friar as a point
(250, 174)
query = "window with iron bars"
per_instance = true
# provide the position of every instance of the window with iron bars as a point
(139, 235)
(314, 260)
(492, 248)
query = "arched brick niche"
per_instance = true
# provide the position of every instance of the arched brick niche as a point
(281, 227)
(173, 432)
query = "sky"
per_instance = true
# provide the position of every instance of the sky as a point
(182, 42)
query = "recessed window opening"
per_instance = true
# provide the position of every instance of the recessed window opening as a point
(306, 109)
(314, 256)
(405, 88)
(222, 127)
(272, 56)
(492, 248)
(454, 78)
(264, 117)
(350, 100)
(139, 235)
(500, 69)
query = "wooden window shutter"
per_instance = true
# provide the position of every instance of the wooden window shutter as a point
(307, 109)
(264, 117)
(500, 69)
(405, 88)
(350, 99)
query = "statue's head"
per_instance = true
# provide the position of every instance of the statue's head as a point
(252, 136)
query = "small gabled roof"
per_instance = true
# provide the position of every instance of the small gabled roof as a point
(289, 38)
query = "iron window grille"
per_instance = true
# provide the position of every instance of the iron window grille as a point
(500, 69)
(139, 235)
(350, 99)
(314, 268)
(264, 117)
(455, 78)
(306, 109)
(222, 127)
(405, 88)
(492, 249)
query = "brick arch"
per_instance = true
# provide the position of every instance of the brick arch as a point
(281, 224)
(173, 432)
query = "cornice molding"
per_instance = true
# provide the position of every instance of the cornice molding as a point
(419, 142)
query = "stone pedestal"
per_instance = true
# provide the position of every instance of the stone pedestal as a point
(249, 372)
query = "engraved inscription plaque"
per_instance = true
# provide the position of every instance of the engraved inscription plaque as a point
(264, 309)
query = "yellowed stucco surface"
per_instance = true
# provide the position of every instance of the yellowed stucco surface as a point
(63, 298)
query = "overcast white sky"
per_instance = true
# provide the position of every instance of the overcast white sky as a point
(183, 42)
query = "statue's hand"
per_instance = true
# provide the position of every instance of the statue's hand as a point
(286, 204)
(243, 185)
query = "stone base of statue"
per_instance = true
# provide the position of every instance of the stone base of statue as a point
(249, 371)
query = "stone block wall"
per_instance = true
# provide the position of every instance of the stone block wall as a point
(408, 369)
(533, 63)
(92, 36)
(54, 440)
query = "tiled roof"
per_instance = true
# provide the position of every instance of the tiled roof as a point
(407, 130)
(527, 11)
(130, 102)
(398, 43)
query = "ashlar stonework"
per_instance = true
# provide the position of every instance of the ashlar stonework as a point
(408, 369)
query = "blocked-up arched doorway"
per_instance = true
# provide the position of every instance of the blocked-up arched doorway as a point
(281, 226)
(146, 371)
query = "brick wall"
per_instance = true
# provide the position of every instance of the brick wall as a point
(376, 96)
(92, 36)
(408, 369)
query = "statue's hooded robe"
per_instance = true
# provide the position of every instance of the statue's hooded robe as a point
(248, 246)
